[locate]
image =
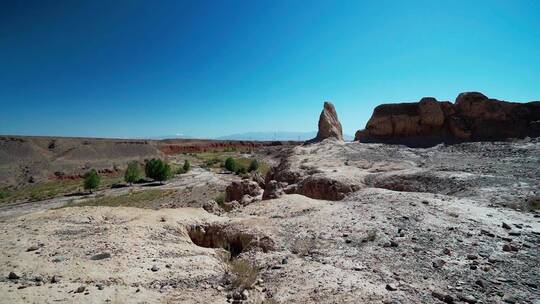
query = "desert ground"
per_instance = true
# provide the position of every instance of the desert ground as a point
(333, 222)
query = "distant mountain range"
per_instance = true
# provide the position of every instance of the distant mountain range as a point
(262, 136)
(280, 135)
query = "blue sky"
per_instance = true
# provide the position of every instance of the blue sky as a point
(211, 68)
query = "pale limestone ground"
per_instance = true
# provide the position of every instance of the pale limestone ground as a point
(325, 252)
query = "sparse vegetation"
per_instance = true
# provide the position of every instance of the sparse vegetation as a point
(230, 164)
(3, 194)
(220, 199)
(91, 180)
(240, 170)
(187, 166)
(133, 172)
(139, 199)
(244, 274)
(209, 163)
(303, 247)
(253, 166)
(157, 170)
(51, 189)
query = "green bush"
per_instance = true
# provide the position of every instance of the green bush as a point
(157, 170)
(133, 172)
(3, 194)
(230, 164)
(187, 166)
(253, 166)
(241, 170)
(220, 199)
(91, 180)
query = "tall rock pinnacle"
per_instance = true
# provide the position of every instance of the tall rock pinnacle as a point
(329, 125)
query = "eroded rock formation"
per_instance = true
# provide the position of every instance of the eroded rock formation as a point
(473, 117)
(237, 191)
(329, 125)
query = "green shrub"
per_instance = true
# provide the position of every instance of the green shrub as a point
(157, 170)
(133, 172)
(220, 199)
(91, 180)
(187, 166)
(253, 166)
(230, 164)
(241, 170)
(3, 194)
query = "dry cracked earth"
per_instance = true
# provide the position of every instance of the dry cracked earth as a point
(447, 224)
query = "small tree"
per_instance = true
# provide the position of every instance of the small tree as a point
(133, 172)
(230, 164)
(253, 166)
(187, 165)
(157, 170)
(91, 180)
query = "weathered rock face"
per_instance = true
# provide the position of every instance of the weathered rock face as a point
(324, 188)
(274, 189)
(329, 125)
(473, 117)
(237, 190)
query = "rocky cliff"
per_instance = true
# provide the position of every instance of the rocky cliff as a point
(473, 117)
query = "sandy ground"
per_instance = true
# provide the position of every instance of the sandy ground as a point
(437, 225)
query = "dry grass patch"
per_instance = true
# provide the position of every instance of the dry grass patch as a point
(244, 274)
(139, 199)
(50, 189)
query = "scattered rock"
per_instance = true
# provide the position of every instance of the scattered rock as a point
(510, 248)
(245, 294)
(472, 257)
(467, 299)
(32, 248)
(80, 289)
(13, 276)
(213, 207)
(58, 259)
(438, 263)
(480, 282)
(55, 279)
(101, 256)
(154, 268)
(446, 298)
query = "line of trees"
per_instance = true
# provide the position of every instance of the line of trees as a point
(155, 169)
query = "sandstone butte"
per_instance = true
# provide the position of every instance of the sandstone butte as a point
(473, 117)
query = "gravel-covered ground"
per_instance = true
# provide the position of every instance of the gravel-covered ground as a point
(447, 224)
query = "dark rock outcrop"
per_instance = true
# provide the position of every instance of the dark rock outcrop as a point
(329, 125)
(473, 117)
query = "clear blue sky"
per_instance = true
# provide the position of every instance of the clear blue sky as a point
(210, 68)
